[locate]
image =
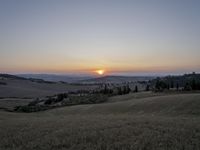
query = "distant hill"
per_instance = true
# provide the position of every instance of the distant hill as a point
(15, 77)
(57, 78)
(117, 79)
(8, 76)
(85, 79)
(14, 86)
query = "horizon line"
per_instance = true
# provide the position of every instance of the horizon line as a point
(107, 74)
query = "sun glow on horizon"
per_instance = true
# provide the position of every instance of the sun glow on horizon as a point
(100, 72)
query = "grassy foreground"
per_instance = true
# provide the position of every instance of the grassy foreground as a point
(161, 122)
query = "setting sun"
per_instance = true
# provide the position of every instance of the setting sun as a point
(100, 72)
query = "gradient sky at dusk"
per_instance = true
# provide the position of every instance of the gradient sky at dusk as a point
(120, 36)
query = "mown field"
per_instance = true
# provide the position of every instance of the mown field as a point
(136, 123)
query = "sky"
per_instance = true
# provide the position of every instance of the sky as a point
(118, 36)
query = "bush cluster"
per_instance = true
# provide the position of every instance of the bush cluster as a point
(61, 100)
(3, 83)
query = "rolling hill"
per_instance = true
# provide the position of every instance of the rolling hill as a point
(178, 104)
(161, 122)
(57, 78)
(19, 87)
(139, 121)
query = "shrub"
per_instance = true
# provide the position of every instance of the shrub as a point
(147, 87)
(49, 101)
(29, 109)
(161, 85)
(3, 83)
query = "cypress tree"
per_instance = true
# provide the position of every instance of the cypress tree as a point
(136, 89)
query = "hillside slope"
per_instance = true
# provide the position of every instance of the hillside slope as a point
(162, 122)
(13, 86)
(180, 104)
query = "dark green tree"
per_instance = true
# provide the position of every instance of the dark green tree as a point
(124, 90)
(187, 87)
(177, 86)
(128, 89)
(105, 91)
(160, 85)
(172, 84)
(147, 87)
(168, 87)
(136, 89)
(193, 84)
(119, 91)
(157, 86)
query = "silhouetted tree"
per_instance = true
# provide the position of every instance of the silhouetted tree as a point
(177, 86)
(198, 85)
(110, 91)
(124, 90)
(160, 85)
(105, 91)
(119, 91)
(187, 87)
(128, 89)
(193, 84)
(136, 89)
(60, 97)
(147, 87)
(157, 86)
(172, 84)
(168, 87)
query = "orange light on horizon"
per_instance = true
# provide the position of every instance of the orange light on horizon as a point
(100, 72)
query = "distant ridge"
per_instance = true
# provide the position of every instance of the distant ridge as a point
(9, 76)
(57, 78)
(118, 79)
(12, 86)
(16, 77)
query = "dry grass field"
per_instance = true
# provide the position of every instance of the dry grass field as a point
(137, 123)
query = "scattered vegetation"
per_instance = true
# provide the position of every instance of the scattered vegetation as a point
(40, 81)
(59, 100)
(186, 82)
(3, 83)
(123, 90)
